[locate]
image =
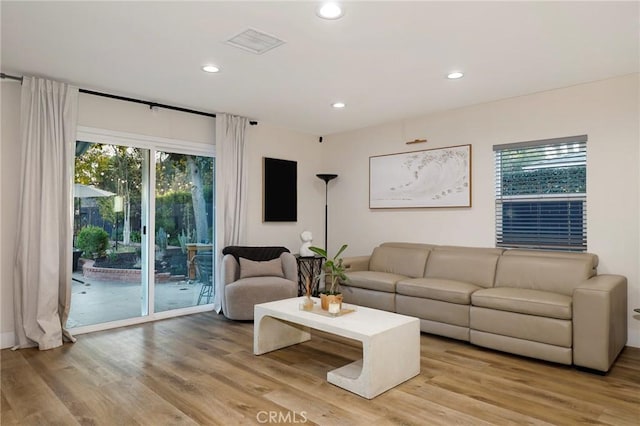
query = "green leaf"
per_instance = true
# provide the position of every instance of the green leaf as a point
(318, 251)
(343, 248)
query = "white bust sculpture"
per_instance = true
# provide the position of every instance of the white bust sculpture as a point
(306, 238)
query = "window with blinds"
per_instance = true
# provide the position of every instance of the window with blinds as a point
(541, 194)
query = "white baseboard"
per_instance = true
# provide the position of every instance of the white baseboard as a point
(7, 339)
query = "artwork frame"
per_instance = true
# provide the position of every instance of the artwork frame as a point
(438, 177)
(280, 190)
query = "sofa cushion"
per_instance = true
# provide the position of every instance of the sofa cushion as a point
(369, 298)
(399, 261)
(465, 265)
(524, 347)
(552, 331)
(557, 275)
(381, 281)
(437, 289)
(524, 301)
(433, 310)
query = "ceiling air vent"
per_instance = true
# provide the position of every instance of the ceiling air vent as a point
(254, 41)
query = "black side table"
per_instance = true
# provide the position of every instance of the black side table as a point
(308, 267)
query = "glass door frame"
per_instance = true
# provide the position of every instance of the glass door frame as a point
(152, 144)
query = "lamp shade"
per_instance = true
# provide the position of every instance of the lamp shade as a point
(326, 177)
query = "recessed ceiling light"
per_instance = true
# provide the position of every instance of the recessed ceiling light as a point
(210, 68)
(330, 11)
(455, 75)
(338, 105)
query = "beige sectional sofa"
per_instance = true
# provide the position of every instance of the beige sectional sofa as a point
(550, 305)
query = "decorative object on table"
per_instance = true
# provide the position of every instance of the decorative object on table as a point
(317, 310)
(328, 299)
(430, 178)
(334, 308)
(326, 178)
(334, 271)
(308, 267)
(307, 239)
(307, 303)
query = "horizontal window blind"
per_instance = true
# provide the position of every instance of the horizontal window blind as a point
(541, 194)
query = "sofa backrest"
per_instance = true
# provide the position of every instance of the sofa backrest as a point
(553, 271)
(409, 262)
(488, 250)
(419, 246)
(593, 258)
(475, 266)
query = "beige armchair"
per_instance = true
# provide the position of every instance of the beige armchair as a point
(252, 275)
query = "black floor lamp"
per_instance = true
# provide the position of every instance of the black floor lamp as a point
(326, 178)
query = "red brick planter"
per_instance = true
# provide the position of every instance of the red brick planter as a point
(121, 275)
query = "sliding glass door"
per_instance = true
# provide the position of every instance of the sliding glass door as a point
(143, 233)
(108, 269)
(183, 230)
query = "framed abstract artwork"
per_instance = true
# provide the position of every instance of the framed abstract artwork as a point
(438, 177)
(280, 184)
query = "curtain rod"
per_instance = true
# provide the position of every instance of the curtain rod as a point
(138, 101)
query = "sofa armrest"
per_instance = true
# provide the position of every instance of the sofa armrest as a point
(356, 263)
(599, 321)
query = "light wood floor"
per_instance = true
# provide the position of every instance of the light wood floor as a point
(200, 369)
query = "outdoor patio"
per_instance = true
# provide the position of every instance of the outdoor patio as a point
(97, 301)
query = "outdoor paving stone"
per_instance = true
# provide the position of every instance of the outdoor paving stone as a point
(94, 301)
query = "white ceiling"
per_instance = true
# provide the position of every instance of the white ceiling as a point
(386, 60)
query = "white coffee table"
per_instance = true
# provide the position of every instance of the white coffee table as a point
(390, 342)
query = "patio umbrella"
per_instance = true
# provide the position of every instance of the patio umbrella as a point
(86, 191)
(81, 191)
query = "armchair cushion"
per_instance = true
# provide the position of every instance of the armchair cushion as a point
(269, 268)
(242, 295)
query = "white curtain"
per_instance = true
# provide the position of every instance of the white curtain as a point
(42, 278)
(231, 185)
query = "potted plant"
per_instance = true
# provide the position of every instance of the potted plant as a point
(333, 272)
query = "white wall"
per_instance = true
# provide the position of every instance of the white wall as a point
(607, 111)
(265, 140)
(122, 116)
